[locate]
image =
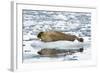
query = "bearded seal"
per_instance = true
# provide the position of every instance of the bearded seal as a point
(58, 52)
(56, 36)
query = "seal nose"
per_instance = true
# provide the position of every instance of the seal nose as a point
(39, 52)
(39, 35)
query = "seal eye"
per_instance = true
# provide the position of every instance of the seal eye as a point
(39, 35)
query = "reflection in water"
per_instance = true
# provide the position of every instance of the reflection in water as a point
(58, 52)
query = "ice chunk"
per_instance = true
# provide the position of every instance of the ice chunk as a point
(60, 44)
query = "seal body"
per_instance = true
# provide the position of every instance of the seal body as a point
(55, 36)
(58, 52)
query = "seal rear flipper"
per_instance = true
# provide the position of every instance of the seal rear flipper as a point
(80, 39)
